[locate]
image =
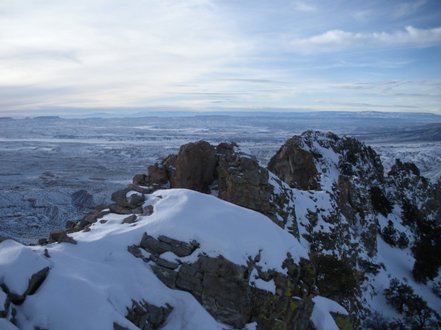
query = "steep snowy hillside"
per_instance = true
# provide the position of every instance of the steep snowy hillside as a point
(104, 277)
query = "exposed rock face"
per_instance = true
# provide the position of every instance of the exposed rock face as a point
(231, 175)
(242, 181)
(225, 289)
(295, 165)
(148, 316)
(193, 167)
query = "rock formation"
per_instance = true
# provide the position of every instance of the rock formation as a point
(332, 193)
(346, 233)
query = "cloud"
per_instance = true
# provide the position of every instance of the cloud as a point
(362, 15)
(112, 53)
(337, 40)
(303, 6)
(149, 53)
(408, 8)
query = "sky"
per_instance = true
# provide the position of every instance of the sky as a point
(220, 55)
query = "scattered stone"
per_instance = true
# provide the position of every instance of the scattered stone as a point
(130, 219)
(42, 241)
(147, 210)
(61, 237)
(89, 218)
(36, 280)
(131, 202)
(148, 316)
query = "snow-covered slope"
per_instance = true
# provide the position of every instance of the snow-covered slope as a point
(93, 283)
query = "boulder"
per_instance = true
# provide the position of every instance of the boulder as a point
(295, 165)
(61, 237)
(165, 244)
(124, 199)
(36, 280)
(194, 167)
(130, 219)
(147, 316)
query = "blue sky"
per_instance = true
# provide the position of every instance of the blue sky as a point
(220, 54)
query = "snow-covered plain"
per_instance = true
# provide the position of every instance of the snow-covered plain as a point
(45, 160)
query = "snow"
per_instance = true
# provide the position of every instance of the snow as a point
(265, 285)
(17, 265)
(6, 325)
(327, 166)
(269, 286)
(251, 326)
(90, 285)
(213, 223)
(321, 317)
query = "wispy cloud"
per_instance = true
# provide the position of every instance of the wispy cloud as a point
(107, 52)
(337, 40)
(409, 8)
(196, 53)
(303, 6)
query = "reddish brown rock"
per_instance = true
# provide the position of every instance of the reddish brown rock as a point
(295, 166)
(194, 167)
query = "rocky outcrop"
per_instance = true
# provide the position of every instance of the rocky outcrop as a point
(147, 316)
(328, 190)
(227, 173)
(227, 290)
(61, 237)
(295, 165)
(242, 181)
(192, 168)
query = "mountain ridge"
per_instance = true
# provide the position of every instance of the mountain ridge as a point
(364, 234)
